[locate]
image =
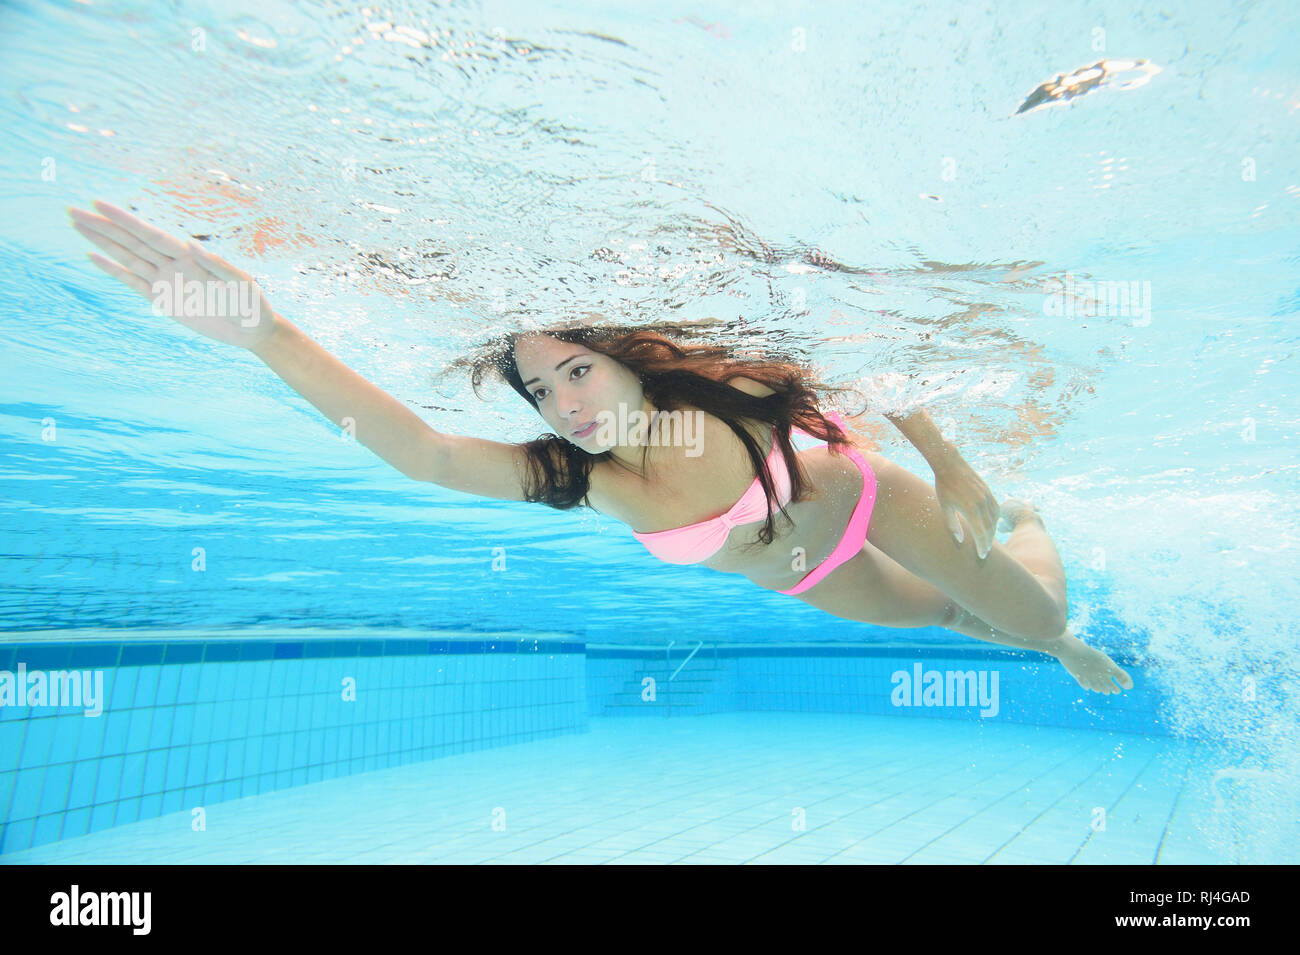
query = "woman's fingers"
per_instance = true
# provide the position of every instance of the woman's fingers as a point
(88, 222)
(217, 265)
(982, 526)
(162, 244)
(989, 512)
(141, 267)
(981, 530)
(951, 518)
(988, 528)
(125, 276)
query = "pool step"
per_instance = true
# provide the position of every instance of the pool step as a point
(688, 693)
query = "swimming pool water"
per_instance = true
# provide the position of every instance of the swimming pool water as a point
(403, 183)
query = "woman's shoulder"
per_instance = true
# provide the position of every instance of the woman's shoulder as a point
(614, 491)
(750, 386)
(707, 449)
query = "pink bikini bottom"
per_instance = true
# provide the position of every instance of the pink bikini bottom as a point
(856, 533)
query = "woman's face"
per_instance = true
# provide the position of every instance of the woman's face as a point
(574, 386)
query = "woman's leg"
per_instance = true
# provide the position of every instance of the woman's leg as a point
(1018, 592)
(1090, 667)
(1031, 545)
(874, 588)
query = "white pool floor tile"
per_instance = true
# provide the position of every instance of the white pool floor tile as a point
(766, 788)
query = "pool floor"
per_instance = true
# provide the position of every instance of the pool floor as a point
(727, 788)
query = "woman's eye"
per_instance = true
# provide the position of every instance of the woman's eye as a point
(540, 393)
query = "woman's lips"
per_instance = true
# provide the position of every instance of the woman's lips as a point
(585, 432)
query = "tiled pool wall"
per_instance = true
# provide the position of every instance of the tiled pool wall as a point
(190, 723)
(193, 722)
(884, 681)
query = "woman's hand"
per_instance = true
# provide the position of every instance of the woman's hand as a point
(182, 280)
(958, 487)
(961, 491)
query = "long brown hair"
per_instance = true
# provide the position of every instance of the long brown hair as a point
(673, 374)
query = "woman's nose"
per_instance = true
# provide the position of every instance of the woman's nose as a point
(567, 404)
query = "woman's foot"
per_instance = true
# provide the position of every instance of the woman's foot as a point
(1090, 667)
(1015, 510)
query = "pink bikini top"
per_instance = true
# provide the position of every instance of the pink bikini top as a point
(693, 543)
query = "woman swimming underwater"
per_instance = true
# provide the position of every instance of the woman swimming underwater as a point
(689, 447)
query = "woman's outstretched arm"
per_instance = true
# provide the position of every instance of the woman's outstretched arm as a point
(387, 426)
(161, 267)
(375, 418)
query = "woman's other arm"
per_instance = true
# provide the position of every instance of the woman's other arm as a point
(960, 490)
(924, 435)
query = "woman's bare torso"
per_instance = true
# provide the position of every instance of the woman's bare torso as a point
(677, 490)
